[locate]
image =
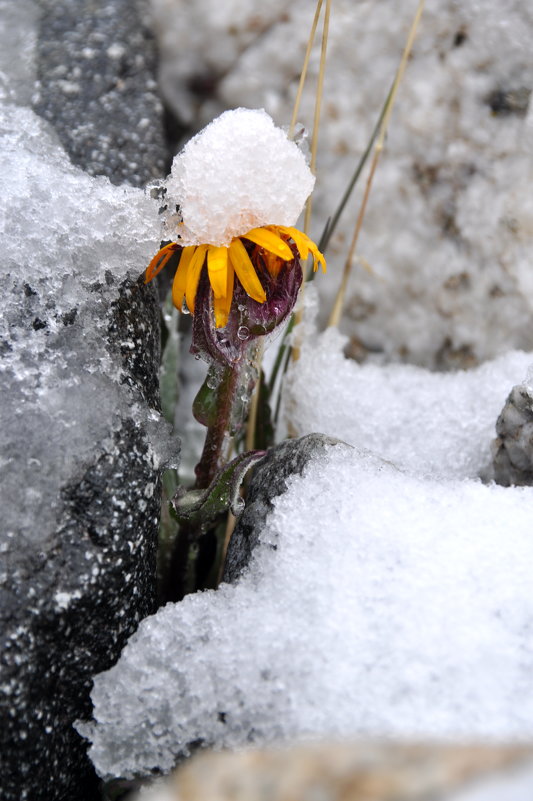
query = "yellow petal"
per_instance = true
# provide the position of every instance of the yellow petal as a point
(221, 315)
(300, 240)
(222, 305)
(270, 241)
(180, 279)
(306, 245)
(229, 286)
(317, 257)
(193, 275)
(217, 266)
(158, 262)
(245, 271)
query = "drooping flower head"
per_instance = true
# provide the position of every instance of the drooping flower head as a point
(234, 194)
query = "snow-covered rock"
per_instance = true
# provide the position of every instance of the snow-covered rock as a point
(81, 437)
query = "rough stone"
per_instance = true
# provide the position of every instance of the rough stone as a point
(513, 448)
(75, 587)
(96, 68)
(364, 771)
(269, 481)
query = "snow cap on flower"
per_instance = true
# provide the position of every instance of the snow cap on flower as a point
(241, 172)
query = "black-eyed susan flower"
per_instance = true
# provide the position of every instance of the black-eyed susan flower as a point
(234, 194)
(266, 248)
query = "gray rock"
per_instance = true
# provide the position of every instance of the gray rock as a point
(268, 481)
(76, 586)
(96, 62)
(82, 442)
(353, 771)
(513, 449)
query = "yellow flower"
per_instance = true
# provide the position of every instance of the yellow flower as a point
(223, 263)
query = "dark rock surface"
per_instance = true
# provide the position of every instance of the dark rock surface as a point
(68, 605)
(96, 64)
(269, 480)
(513, 449)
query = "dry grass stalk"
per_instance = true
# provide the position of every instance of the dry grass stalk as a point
(339, 300)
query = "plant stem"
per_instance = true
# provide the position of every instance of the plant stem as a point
(179, 577)
(211, 458)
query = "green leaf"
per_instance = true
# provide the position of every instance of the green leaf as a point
(205, 405)
(264, 428)
(201, 508)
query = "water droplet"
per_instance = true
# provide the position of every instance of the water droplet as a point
(197, 357)
(184, 308)
(243, 333)
(237, 506)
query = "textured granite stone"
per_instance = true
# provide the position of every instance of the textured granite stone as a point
(268, 481)
(513, 449)
(96, 70)
(359, 771)
(68, 605)
(67, 609)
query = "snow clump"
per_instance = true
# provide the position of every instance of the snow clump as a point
(240, 172)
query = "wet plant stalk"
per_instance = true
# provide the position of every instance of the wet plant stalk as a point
(179, 580)
(212, 454)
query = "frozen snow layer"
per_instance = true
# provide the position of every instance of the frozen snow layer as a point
(377, 603)
(437, 424)
(17, 53)
(448, 230)
(68, 242)
(239, 173)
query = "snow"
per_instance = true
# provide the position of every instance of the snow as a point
(239, 173)
(17, 54)
(429, 423)
(514, 785)
(337, 630)
(68, 242)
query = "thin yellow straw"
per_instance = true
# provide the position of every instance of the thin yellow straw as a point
(295, 352)
(339, 300)
(303, 74)
(318, 106)
(252, 417)
(230, 525)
